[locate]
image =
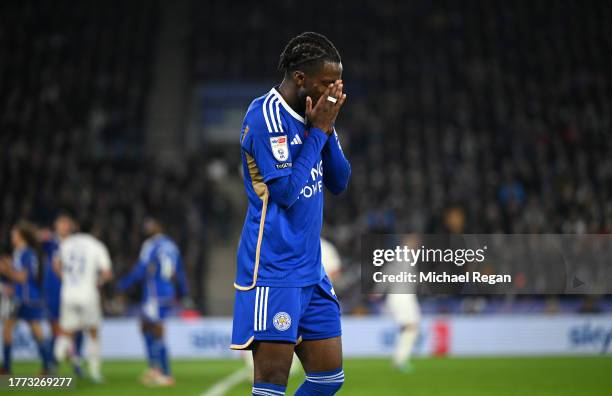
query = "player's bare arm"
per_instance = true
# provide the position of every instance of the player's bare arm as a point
(13, 274)
(105, 277)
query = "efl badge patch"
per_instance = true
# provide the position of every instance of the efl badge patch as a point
(282, 321)
(280, 148)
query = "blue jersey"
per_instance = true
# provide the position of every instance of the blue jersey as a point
(158, 269)
(27, 293)
(280, 244)
(52, 285)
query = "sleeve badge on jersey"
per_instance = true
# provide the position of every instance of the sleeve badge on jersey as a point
(280, 148)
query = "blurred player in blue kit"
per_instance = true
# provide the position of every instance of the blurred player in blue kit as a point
(161, 272)
(24, 276)
(284, 301)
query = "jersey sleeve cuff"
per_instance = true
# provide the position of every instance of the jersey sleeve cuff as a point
(319, 133)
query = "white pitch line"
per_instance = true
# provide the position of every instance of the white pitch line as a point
(222, 387)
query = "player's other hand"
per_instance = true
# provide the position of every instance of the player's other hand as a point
(324, 113)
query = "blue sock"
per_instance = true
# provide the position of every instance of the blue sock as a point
(160, 355)
(78, 343)
(44, 355)
(164, 361)
(148, 338)
(325, 383)
(7, 355)
(51, 348)
(263, 389)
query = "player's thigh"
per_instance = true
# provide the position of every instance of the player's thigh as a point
(272, 361)
(157, 329)
(7, 330)
(153, 327)
(55, 327)
(320, 331)
(91, 315)
(36, 329)
(70, 317)
(93, 333)
(320, 355)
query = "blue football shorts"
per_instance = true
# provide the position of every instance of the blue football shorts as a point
(53, 308)
(29, 312)
(290, 314)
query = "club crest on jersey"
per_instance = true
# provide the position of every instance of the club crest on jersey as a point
(280, 148)
(282, 321)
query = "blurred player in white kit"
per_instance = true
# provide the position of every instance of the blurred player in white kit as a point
(84, 265)
(404, 308)
(331, 260)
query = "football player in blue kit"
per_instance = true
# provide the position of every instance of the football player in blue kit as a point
(161, 272)
(25, 275)
(291, 153)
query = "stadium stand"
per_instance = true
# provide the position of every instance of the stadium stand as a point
(74, 78)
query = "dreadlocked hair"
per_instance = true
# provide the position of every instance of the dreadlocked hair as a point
(307, 48)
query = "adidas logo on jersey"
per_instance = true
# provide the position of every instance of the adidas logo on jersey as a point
(296, 140)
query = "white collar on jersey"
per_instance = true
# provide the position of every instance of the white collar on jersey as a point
(287, 107)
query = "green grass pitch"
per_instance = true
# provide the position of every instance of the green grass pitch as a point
(444, 376)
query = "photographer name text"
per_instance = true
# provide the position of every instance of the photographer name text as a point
(441, 277)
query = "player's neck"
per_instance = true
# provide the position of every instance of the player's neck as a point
(64, 237)
(289, 94)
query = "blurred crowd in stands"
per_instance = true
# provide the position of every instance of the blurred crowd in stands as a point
(74, 78)
(462, 117)
(475, 117)
(493, 116)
